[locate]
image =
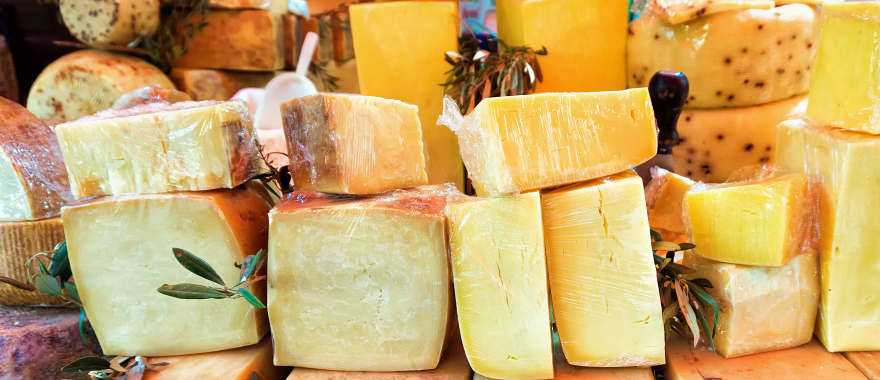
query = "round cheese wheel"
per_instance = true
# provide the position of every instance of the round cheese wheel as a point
(110, 22)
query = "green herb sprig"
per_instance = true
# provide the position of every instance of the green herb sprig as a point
(184, 19)
(249, 274)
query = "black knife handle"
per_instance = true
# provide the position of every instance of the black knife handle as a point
(669, 91)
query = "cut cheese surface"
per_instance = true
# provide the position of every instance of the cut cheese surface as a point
(250, 40)
(679, 11)
(867, 362)
(425, 31)
(353, 144)
(359, 284)
(209, 84)
(120, 253)
(602, 278)
(665, 198)
(521, 143)
(762, 308)
(113, 22)
(500, 277)
(236, 364)
(763, 222)
(159, 148)
(844, 164)
(19, 241)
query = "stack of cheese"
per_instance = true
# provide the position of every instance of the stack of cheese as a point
(748, 64)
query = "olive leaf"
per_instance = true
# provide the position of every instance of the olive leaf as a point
(86, 364)
(250, 265)
(250, 297)
(249, 268)
(197, 266)
(71, 292)
(59, 265)
(81, 325)
(191, 291)
(47, 284)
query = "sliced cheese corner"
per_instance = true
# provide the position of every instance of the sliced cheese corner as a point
(665, 199)
(250, 40)
(19, 241)
(235, 364)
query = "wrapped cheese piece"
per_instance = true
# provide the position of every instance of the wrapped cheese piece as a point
(157, 148)
(521, 143)
(665, 198)
(113, 22)
(121, 252)
(248, 40)
(209, 84)
(359, 284)
(19, 241)
(354, 144)
(147, 95)
(679, 11)
(237, 364)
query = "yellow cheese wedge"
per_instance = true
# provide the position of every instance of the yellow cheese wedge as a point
(867, 362)
(762, 308)
(602, 278)
(844, 164)
(114, 22)
(249, 40)
(120, 253)
(19, 241)
(665, 198)
(762, 222)
(529, 142)
(160, 148)
(353, 144)
(237, 364)
(397, 45)
(208, 84)
(500, 278)
(359, 285)
(679, 11)
(574, 63)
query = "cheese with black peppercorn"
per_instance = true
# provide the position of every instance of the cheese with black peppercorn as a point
(110, 22)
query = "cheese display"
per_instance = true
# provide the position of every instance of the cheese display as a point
(716, 143)
(602, 277)
(500, 276)
(574, 63)
(845, 87)
(732, 59)
(359, 284)
(763, 222)
(867, 362)
(208, 84)
(120, 253)
(844, 164)
(238, 364)
(87, 81)
(521, 143)
(399, 48)
(159, 148)
(665, 199)
(18, 242)
(762, 308)
(113, 22)
(241, 40)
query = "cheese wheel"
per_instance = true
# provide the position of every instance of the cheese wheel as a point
(18, 242)
(110, 22)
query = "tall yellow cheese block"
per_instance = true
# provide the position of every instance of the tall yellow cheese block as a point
(845, 165)
(602, 278)
(238, 364)
(500, 277)
(574, 63)
(19, 241)
(121, 251)
(399, 48)
(763, 222)
(529, 142)
(250, 40)
(665, 198)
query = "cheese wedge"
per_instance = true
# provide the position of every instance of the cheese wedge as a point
(867, 362)
(353, 144)
(160, 148)
(120, 253)
(19, 241)
(522, 143)
(359, 284)
(500, 277)
(665, 198)
(113, 22)
(844, 165)
(250, 40)
(237, 364)
(602, 278)
(207, 84)
(574, 63)
(397, 46)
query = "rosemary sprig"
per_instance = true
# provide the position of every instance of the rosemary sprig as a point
(184, 19)
(329, 82)
(249, 274)
(112, 367)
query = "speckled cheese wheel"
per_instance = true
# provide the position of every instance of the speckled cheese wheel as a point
(110, 22)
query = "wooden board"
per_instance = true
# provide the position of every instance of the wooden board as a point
(867, 362)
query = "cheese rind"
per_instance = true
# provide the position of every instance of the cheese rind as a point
(248, 40)
(236, 364)
(500, 276)
(113, 22)
(665, 198)
(602, 279)
(208, 84)
(19, 241)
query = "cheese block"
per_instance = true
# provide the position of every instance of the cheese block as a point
(353, 144)
(236, 364)
(528, 142)
(809, 361)
(564, 371)
(359, 284)
(19, 241)
(8, 79)
(33, 180)
(665, 198)
(762, 308)
(113, 22)
(844, 90)
(147, 95)
(290, 39)
(732, 59)
(679, 11)
(762, 222)
(844, 165)
(602, 279)
(867, 362)
(157, 148)
(237, 39)
(207, 84)
(120, 253)
(424, 31)
(715, 143)
(574, 63)
(87, 81)
(500, 276)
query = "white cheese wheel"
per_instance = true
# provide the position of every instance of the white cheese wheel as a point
(110, 22)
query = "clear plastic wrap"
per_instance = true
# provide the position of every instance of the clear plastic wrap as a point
(678, 11)
(521, 143)
(248, 40)
(732, 59)
(149, 94)
(246, 363)
(665, 198)
(160, 147)
(353, 144)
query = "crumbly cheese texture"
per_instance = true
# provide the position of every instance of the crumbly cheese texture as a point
(732, 59)
(249, 40)
(113, 22)
(359, 285)
(602, 277)
(121, 251)
(665, 199)
(353, 144)
(18, 242)
(209, 84)
(236, 364)
(574, 63)
(761, 222)
(500, 275)
(157, 148)
(397, 45)
(845, 166)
